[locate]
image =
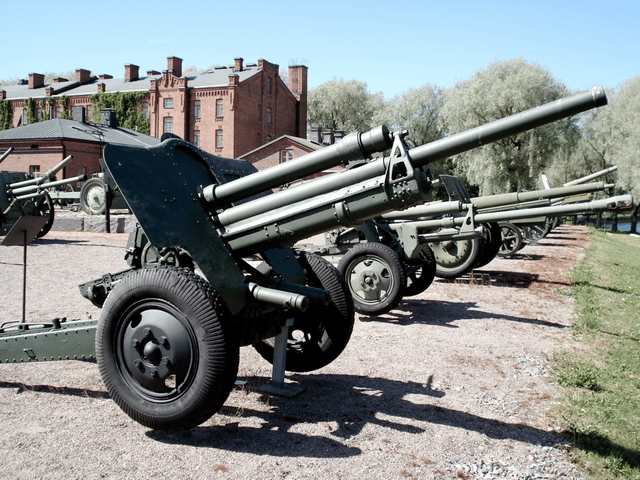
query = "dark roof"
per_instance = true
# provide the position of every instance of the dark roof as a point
(59, 128)
(218, 77)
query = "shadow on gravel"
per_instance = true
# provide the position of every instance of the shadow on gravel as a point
(442, 313)
(342, 405)
(76, 392)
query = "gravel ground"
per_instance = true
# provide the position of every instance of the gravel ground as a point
(453, 383)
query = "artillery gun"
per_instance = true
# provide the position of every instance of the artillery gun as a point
(167, 341)
(398, 254)
(23, 195)
(517, 234)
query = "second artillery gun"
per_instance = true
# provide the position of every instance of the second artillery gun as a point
(21, 195)
(167, 341)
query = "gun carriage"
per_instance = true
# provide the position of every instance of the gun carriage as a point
(167, 341)
(22, 195)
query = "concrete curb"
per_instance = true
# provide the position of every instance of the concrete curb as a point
(119, 224)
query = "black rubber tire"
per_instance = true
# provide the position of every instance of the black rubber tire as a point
(492, 242)
(46, 209)
(166, 313)
(93, 196)
(375, 277)
(467, 253)
(511, 239)
(422, 278)
(319, 335)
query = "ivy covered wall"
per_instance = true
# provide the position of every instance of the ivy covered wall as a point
(128, 107)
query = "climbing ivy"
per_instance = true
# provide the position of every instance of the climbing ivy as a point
(127, 106)
(5, 114)
(43, 110)
(30, 106)
(64, 103)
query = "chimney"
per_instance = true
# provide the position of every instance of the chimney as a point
(175, 64)
(152, 73)
(60, 80)
(108, 118)
(238, 65)
(101, 88)
(83, 76)
(234, 79)
(23, 81)
(49, 91)
(105, 76)
(327, 137)
(3, 95)
(131, 72)
(315, 135)
(36, 80)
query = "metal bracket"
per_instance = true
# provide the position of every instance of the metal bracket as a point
(277, 385)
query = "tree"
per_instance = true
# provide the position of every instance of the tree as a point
(343, 105)
(417, 110)
(502, 89)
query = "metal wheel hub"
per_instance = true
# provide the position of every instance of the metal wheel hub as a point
(156, 351)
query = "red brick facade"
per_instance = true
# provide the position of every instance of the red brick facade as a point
(228, 111)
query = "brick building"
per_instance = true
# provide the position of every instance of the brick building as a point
(227, 111)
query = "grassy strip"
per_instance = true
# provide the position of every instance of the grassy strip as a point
(599, 410)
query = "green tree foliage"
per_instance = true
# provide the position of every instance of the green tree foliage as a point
(127, 106)
(343, 105)
(616, 133)
(5, 114)
(417, 110)
(502, 89)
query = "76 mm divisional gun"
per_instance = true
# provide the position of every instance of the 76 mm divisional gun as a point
(167, 340)
(22, 195)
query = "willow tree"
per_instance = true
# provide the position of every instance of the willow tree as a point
(505, 88)
(343, 105)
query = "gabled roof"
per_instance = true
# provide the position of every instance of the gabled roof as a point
(301, 141)
(59, 128)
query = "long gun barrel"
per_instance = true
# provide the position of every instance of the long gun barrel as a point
(6, 154)
(593, 176)
(45, 177)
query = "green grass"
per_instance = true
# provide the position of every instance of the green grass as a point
(599, 410)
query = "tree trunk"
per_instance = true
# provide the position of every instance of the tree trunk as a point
(634, 219)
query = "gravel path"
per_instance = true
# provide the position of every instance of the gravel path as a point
(452, 384)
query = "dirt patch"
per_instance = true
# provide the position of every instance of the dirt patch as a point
(453, 383)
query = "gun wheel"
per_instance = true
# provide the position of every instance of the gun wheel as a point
(45, 208)
(456, 257)
(492, 242)
(319, 335)
(165, 348)
(375, 276)
(511, 239)
(93, 196)
(420, 273)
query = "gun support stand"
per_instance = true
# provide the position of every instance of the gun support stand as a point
(23, 232)
(277, 385)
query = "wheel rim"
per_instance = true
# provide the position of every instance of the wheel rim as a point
(511, 240)
(370, 279)
(94, 198)
(156, 351)
(455, 257)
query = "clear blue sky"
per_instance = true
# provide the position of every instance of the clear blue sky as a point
(392, 46)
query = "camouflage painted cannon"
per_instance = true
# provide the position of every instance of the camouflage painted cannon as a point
(23, 195)
(167, 341)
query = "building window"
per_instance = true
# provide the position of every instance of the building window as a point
(167, 126)
(58, 112)
(145, 110)
(34, 170)
(286, 155)
(196, 138)
(168, 103)
(90, 113)
(219, 108)
(268, 115)
(269, 85)
(81, 171)
(219, 143)
(196, 109)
